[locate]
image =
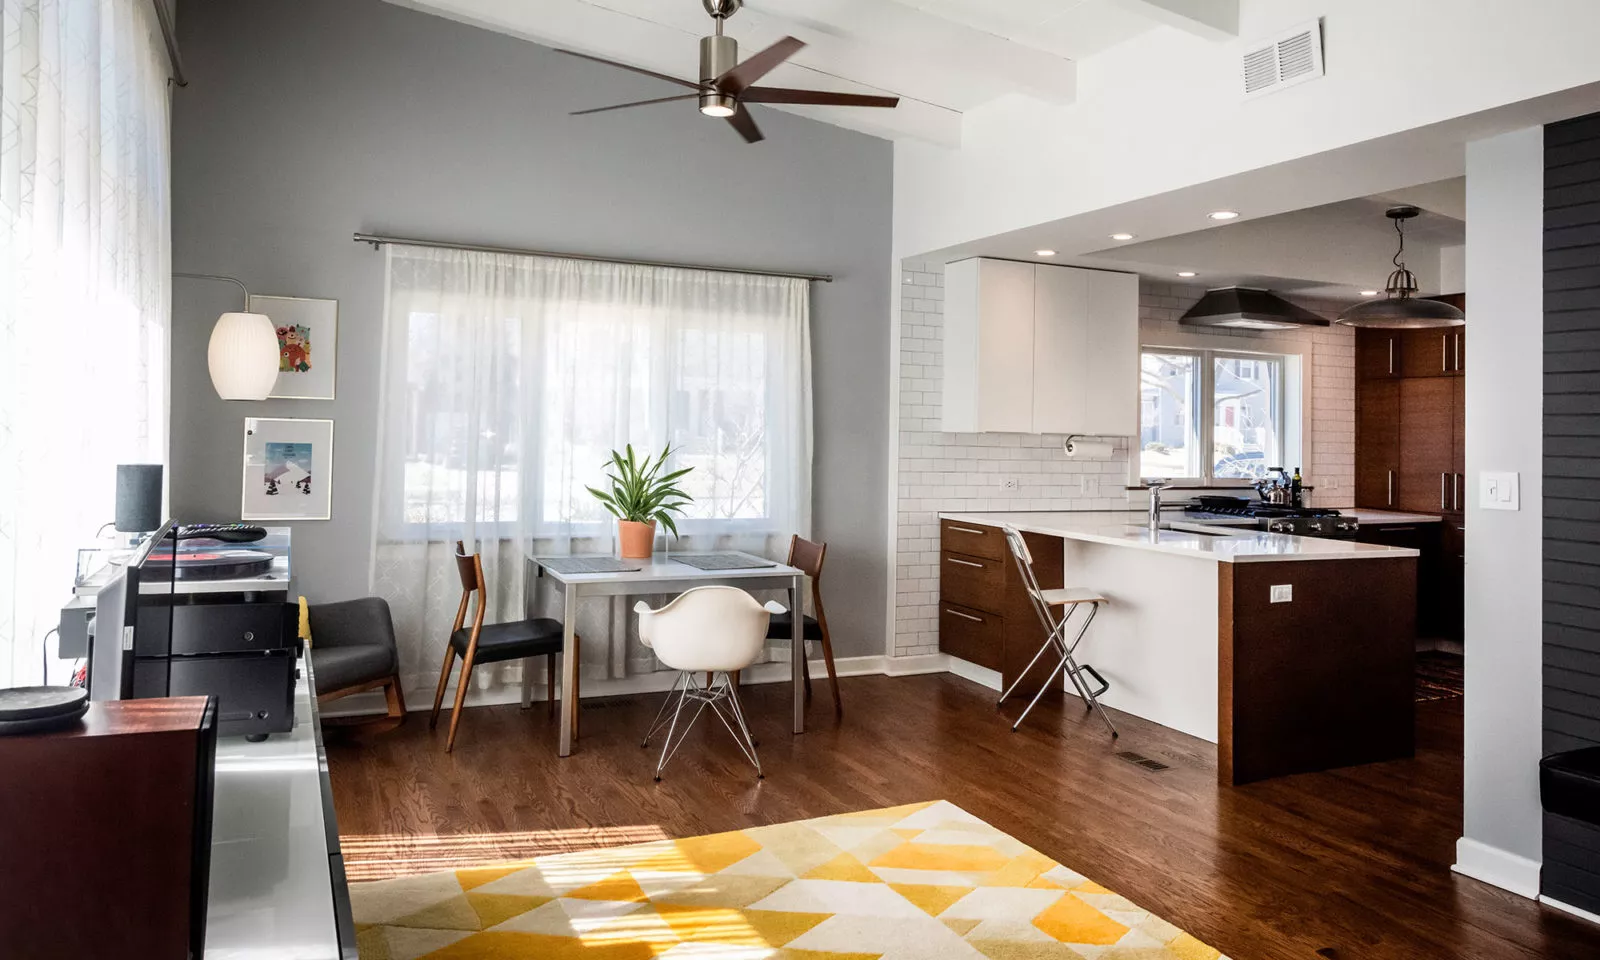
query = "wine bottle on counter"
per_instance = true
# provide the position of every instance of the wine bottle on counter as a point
(1297, 493)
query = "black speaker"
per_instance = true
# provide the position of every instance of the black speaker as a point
(138, 497)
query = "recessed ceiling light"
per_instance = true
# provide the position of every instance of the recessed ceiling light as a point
(1369, 293)
(1223, 214)
(1044, 253)
(1122, 236)
(1186, 273)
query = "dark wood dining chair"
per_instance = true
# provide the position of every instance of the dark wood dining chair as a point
(807, 556)
(491, 643)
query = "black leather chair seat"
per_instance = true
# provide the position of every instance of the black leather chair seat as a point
(781, 627)
(339, 667)
(510, 641)
(1569, 784)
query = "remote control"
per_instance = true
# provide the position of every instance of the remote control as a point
(226, 532)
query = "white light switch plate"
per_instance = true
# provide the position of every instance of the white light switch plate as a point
(1282, 593)
(1499, 491)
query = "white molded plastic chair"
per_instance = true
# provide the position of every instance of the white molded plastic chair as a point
(713, 630)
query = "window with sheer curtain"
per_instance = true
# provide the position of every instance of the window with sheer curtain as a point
(84, 279)
(509, 380)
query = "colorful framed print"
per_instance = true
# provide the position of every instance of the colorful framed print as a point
(288, 469)
(308, 339)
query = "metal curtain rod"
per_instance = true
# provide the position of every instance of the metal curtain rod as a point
(170, 37)
(378, 241)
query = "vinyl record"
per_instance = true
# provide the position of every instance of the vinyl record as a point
(33, 703)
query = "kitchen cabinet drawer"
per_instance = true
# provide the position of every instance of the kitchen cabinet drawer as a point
(973, 635)
(977, 582)
(972, 540)
(1433, 352)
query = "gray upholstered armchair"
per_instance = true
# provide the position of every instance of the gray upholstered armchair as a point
(353, 650)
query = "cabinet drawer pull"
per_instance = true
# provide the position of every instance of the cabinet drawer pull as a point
(1390, 493)
(1397, 529)
(1444, 484)
(964, 616)
(966, 563)
(972, 530)
(1391, 354)
(1444, 355)
(1455, 496)
(1458, 353)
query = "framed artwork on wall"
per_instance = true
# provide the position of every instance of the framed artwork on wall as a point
(288, 469)
(308, 339)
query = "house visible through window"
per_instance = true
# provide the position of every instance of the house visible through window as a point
(1242, 437)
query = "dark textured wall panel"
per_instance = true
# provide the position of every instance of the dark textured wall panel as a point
(1572, 486)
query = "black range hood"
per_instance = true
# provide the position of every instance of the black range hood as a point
(1248, 308)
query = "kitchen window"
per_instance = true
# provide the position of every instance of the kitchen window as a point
(1214, 416)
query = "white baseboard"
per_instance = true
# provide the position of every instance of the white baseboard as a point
(1569, 908)
(420, 687)
(982, 676)
(1500, 868)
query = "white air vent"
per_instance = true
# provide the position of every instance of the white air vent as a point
(1283, 61)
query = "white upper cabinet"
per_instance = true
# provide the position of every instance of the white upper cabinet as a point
(1030, 348)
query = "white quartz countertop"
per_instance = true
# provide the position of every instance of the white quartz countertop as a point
(1202, 541)
(1387, 517)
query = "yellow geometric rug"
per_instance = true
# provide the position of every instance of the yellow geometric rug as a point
(927, 881)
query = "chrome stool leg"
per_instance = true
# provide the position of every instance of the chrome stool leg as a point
(1050, 641)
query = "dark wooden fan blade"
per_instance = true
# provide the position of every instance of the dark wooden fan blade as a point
(742, 76)
(821, 97)
(636, 103)
(746, 125)
(629, 66)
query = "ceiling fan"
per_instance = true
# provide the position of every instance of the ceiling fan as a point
(726, 85)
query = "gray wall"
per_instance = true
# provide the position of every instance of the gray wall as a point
(1572, 485)
(307, 120)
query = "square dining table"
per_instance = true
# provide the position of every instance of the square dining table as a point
(663, 573)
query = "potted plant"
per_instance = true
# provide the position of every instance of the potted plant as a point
(640, 496)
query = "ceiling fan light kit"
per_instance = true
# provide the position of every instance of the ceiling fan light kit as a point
(1399, 308)
(726, 85)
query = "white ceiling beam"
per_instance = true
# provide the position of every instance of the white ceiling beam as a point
(898, 31)
(1211, 19)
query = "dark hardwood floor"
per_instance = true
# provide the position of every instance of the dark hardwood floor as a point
(1352, 864)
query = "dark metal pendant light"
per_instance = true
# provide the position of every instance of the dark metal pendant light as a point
(1399, 308)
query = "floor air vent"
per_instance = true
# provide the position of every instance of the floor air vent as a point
(1140, 760)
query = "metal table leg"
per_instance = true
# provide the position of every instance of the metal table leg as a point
(569, 666)
(797, 655)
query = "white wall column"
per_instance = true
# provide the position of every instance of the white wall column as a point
(1505, 404)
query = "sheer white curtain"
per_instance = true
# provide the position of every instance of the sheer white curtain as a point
(84, 277)
(508, 380)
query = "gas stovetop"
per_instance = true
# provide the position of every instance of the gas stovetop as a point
(1255, 509)
(1277, 517)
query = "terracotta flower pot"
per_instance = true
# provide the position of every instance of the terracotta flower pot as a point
(638, 539)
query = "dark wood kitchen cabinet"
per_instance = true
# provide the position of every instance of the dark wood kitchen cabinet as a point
(985, 616)
(1378, 354)
(1427, 444)
(1378, 439)
(1411, 450)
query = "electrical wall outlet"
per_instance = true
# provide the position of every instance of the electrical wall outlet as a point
(1089, 484)
(1282, 592)
(1010, 484)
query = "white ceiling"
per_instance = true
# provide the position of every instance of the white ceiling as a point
(1333, 251)
(942, 57)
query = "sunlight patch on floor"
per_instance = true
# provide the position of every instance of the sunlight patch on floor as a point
(383, 856)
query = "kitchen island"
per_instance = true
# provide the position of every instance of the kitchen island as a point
(1290, 653)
